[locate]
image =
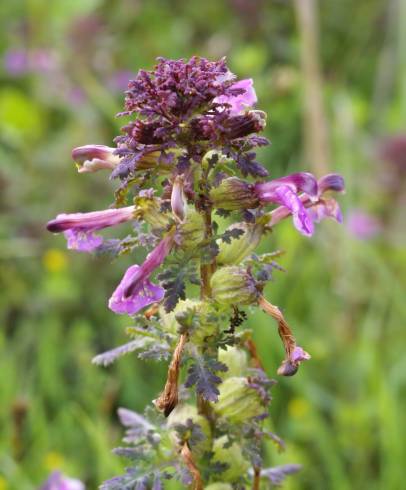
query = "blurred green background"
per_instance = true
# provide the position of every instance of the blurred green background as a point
(332, 77)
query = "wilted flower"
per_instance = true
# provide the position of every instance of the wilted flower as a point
(79, 228)
(135, 291)
(57, 481)
(90, 158)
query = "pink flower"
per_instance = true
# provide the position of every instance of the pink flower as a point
(78, 228)
(362, 225)
(135, 291)
(57, 481)
(246, 99)
(285, 191)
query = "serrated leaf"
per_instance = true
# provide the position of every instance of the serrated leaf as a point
(201, 374)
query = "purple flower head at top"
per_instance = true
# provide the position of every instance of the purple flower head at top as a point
(135, 291)
(285, 191)
(79, 228)
(241, 102)
(90, 158)
(57, 481)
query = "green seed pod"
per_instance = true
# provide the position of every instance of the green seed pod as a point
(232, 456)
(192, 230)
(234, 194)
(180, 416)
(233, 285)
(239, 248)
(238, 401)
(235, 359)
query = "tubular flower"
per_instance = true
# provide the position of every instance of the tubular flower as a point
(90, 158)
(78, 228)
(316, 208)
(135, 291)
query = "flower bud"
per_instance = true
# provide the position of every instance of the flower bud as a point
(90, 158)
(238, 401)
(235, 359)
(239, 248)
(179, 416)
(234, 194)
(233, 285)
(232, 455)
(245, 124)
(178, 199)
(192, 230)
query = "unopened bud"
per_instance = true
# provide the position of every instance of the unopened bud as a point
(234, 285)
(234, 194)
(232, 456)
(245, 124)
(238, 401)
(90, 158)
(237, 249)
(178, 199)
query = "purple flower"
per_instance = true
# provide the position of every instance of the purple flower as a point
(16, 62)
(363, 225)
(90, 158)
(238, 103)
(285, 190)
(135, 291)
(57, 481)
(78, 228)
(317, 206)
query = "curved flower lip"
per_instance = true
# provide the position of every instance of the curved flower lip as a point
(238, 103)
(90, 158)
(331, 182)
(144, 294)
(290, 365)
(285, 190)
(95, 220)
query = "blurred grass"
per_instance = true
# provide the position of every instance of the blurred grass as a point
(343, 415)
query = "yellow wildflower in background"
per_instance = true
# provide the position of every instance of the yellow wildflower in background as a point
(54, 260)
(53, 461)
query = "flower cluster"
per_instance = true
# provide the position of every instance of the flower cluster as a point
(186, 159)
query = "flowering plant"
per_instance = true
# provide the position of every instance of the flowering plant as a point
(186, 164)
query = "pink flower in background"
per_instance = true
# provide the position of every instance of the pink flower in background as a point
(57, 481)
(362, 225)
(19, 62)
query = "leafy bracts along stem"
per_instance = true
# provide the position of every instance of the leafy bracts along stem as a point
(196, 203)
